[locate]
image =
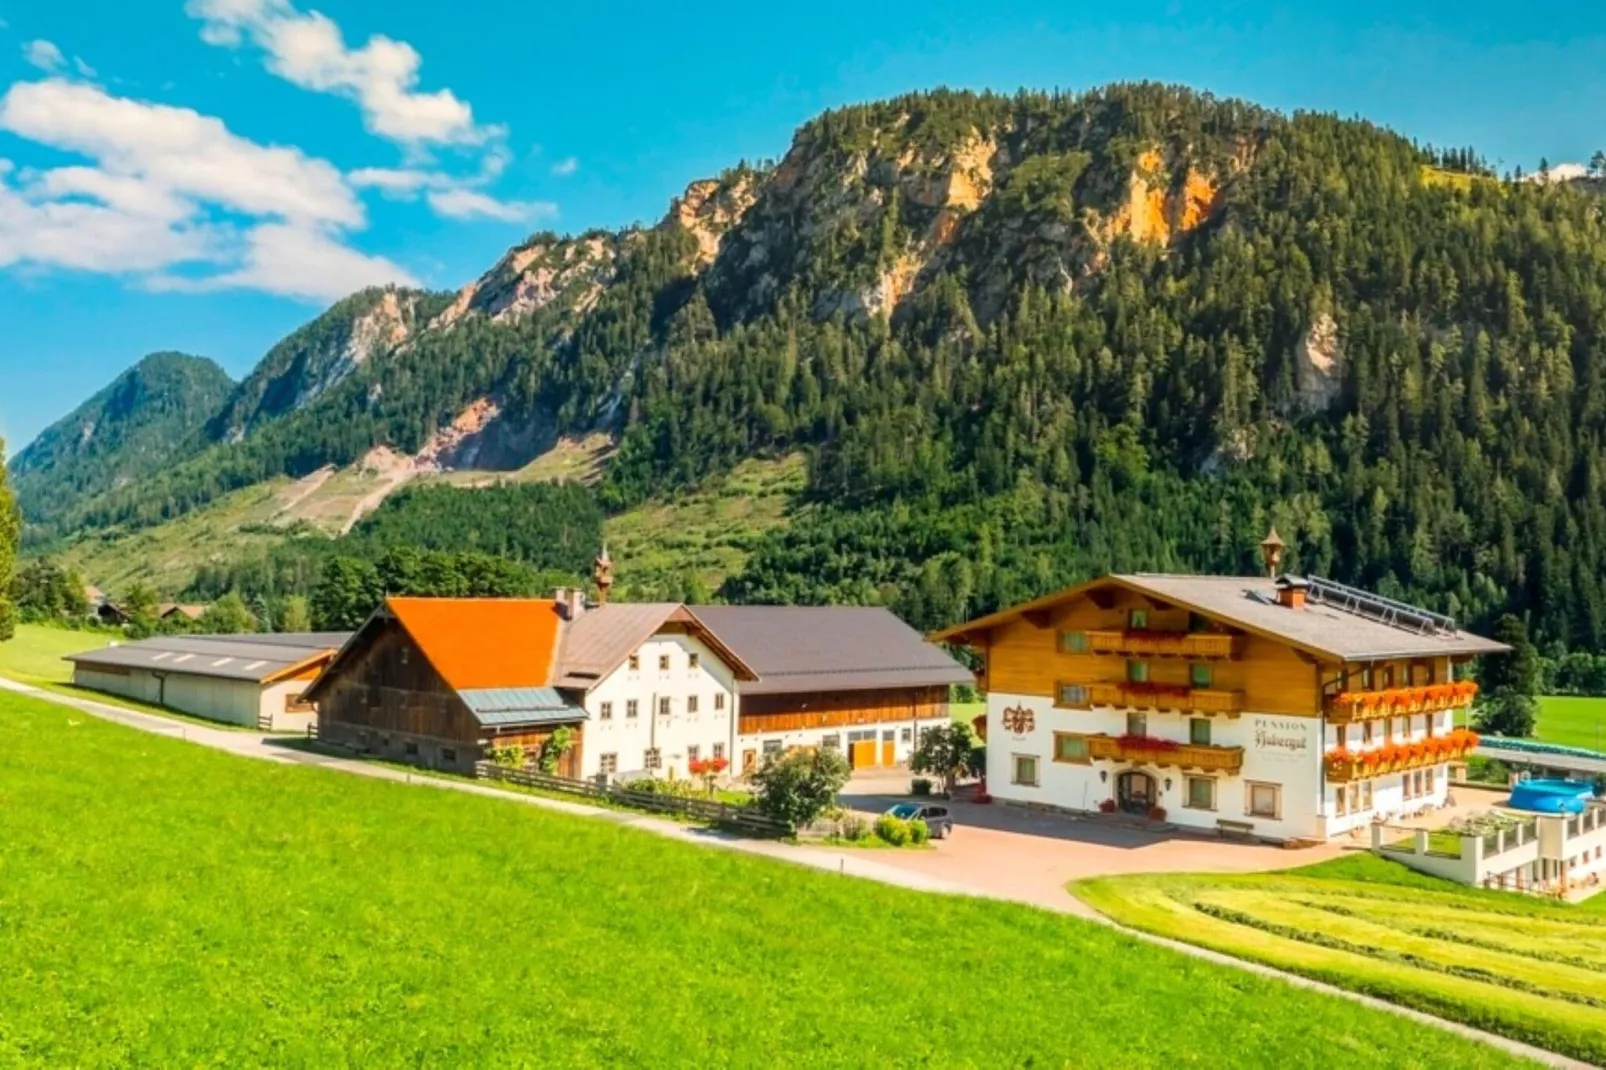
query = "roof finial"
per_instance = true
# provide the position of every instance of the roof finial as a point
(1271, 551)
(602, 575)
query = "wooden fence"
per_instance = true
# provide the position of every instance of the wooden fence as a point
(740, 818)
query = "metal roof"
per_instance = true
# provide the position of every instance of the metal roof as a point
(257, 658)
(520, 705)
(1250, 603)
(829, 648)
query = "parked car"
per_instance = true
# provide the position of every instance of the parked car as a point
(936, 817)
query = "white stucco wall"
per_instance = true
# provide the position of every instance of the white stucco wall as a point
(673, 735)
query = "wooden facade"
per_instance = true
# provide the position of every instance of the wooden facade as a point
(386, 699)
(829, 709)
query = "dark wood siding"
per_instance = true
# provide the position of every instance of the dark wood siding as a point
(386, 699)
(823, 709)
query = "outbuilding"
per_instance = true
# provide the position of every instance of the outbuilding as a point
(253, 680)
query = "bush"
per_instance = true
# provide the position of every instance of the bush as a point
(800, 785)
(892, 830)
(920, 786)
(853, 828)
(918, 831)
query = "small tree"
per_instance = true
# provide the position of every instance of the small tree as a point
(553, 748)
(1508, 682)
(945, 752)
(229, 615)
(139, 605)
(295, 615)
(1506, 713)
(800, 785)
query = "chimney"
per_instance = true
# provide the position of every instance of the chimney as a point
(561, 598)
(577, 602)
(1291, 592)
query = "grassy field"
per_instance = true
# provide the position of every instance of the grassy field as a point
(1521, 967)
(34, 654)
(1573, 721)
(167, 905)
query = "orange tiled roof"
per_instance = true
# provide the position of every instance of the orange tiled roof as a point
(484, 642)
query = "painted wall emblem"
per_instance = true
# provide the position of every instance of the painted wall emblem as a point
(1282, 739)
(1019, 720)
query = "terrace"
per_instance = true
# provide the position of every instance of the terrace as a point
(1145, 642)
(1129, 694)
(1344, 766)
(1165, 752)
(1349, 707)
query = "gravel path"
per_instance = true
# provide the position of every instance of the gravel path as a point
(848, 863)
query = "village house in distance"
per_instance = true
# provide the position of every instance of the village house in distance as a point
(1287, 709)
(642, 688)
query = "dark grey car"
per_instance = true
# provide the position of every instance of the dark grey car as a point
(935, 816)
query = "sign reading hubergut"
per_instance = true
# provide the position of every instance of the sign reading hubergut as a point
(1282, 738)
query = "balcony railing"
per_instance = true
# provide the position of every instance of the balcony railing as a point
(1163, 752)
(1165, 697)
(1344, 766)
(1352, 706)
(1163, 644)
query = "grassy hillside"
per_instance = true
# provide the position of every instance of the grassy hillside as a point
(34, 654)
(201, 908)
(1525, 968)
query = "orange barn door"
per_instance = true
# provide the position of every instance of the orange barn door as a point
(889, 753)
(863, 754)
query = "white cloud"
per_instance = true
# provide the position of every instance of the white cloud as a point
(566, 167)
(399, 181)
(1559, 172)
(471, 204)
(309, 50)
(168, 187)
(44, 55)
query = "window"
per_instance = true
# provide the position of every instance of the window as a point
(1201, 674)
(1405, 786)
(1201, 793)
(410, 749)
(1366, 794)
(1073, 642)
(692, 753)
(1075, 695)
(663, 662)
(608, 764)
(1199, 731)
(719, 700)
(691, 703)
(1071, 747)
(605, 712)
(1338, 802)
(1265, 800)
(448, 754)
(1428, 774)
(1388, 730)
(1366, 678)
(1138, 620)
(1025, 770)
(1137, 672)
(772, 748)
(693, 661)
(663, 706)
(1341, 736)
(831, 742)
(1137, 724)
(719, 750)
(651, 759)
(1388, 676)
(889, 736)
(630, 708)
(1366, 733)
(1354, 796)
(1418, 779)
(635, 663)
(907, 735)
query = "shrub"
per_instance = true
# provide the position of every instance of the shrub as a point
(800, 785)
(918, 831)
(853, 828)
(891, 830)
(944, 752)
(920, 786)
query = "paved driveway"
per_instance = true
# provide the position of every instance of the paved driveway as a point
(1030, 856)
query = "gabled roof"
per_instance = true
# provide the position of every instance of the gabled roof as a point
(603, 637)
(830, 648)
(483, 642)
(1250, 603)
(262, 659)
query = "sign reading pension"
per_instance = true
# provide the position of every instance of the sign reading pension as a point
(1283, 739)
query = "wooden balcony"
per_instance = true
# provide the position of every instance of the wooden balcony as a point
(1154, 644)
(1164, 752)
(1344, 766)
(1165, 697)
(1353, 706)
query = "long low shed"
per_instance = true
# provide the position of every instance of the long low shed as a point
(251, 680)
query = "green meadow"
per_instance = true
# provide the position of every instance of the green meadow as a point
(162, 904)
(1525, 968)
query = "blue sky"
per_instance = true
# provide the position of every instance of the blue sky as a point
(205, 175)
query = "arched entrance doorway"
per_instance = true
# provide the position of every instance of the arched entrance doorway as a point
(1135, 792)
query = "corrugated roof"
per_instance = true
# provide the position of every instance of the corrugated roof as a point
(484, 642)
(829, 648)
(520, 705)
(258, 658)
(1250, 603)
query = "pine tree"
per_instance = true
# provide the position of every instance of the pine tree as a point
(10, 531)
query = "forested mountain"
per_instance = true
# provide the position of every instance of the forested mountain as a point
(145, 420)
(1025, 339)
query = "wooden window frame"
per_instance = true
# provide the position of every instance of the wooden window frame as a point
(608, 764)
(1195, 723)
(652, 759)
(1137, 620)
(694, 661)
(1059, 696)
(1204, 668)
(719, 700)
(632, 709)
(1338, 801)
(718, 750)
(1072, 641)
(1341, 736)
(1037, 770)
(605, 711)
(1249, 799)
(1086, 759)
(663, 662)
(1137, 671)
(691, 703)
(666, 708)
(1187, 793)
(1142, 723)
(634, 664)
